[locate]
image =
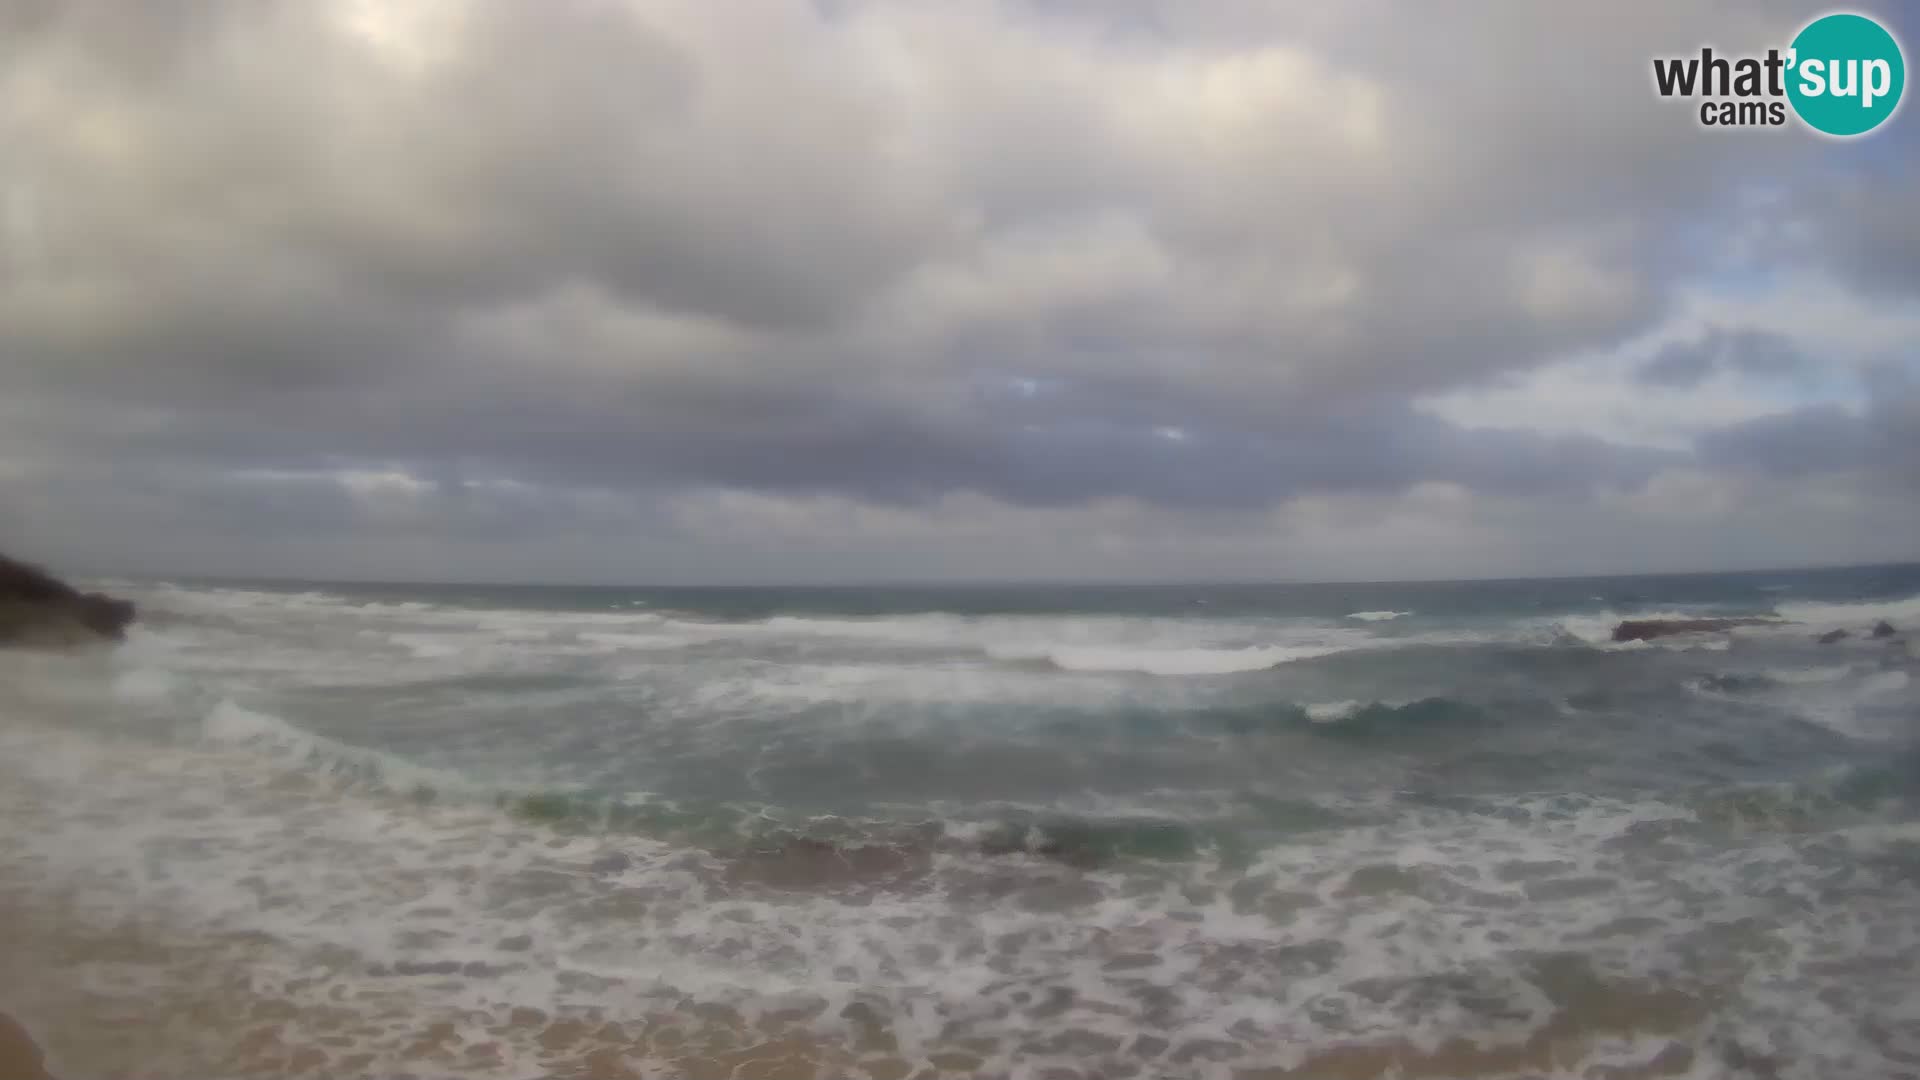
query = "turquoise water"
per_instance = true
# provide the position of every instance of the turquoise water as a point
(1262, 823)
(867, 701)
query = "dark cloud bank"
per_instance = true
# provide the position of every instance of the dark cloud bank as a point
(686, 290)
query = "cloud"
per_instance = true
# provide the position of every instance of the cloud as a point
(1752, 352)
(1882, 442)
(452, 270)
(1679, 364)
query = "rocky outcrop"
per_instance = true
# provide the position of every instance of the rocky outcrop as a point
(1832, 636)
(37, 608)
(1884, 629)
(20, 1059)
(1648, 629)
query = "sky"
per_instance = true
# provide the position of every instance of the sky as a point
(676, 291)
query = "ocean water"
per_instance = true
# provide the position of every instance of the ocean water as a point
(1411, 830)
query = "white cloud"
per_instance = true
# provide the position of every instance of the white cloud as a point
(1844, 336)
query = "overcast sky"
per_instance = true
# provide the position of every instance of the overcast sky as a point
(805, 290)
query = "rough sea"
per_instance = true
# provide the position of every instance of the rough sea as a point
(1260, 832)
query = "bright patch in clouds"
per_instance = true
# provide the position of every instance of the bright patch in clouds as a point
(1821, 342)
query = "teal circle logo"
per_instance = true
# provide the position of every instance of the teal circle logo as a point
(1846, 74)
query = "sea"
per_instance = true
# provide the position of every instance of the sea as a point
(1246, 832)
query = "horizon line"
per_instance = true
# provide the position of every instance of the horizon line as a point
(988, 583)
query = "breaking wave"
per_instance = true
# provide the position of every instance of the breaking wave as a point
(716, 838)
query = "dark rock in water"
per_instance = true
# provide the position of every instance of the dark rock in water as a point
(800, 863)
(1832, 636)
(611, 863)
(38, 609)
(1648, 629)
(1883, 628)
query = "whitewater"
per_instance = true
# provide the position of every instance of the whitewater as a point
(1248, 833)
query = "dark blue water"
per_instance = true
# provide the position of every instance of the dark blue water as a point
(1746, 592)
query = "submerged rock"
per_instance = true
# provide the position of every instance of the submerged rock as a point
(37, 608)
(1648, 629)
(1883, 629)
(1832, 636)
(801, 863)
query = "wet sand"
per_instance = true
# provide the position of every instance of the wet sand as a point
(218, 1020)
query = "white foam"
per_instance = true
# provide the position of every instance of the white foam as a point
(1904, 613)
(1141, 645)
(1712, 645)
(448, 642)
(533, 625)
(867, 687)
(1377, 616)
(145, 684)
(290, 746)
(203, 837)
(1177, 661)
(172, 597)
(228, 722)
(678, 636)
(429, 646)
(1809, 676)
(1849, 700)
(924, 629)
(1885, 682)
(220, 855)
(1675, 643)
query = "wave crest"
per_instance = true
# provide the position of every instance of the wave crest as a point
(1165, 661)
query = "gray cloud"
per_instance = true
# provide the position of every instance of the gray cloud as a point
(1883, 441)
(1870, 223)
(556, 264)
(1752, 352)
(1679, 364)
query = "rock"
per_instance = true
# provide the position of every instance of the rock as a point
(1648, 629)
(104, 615)
(1832, 636)
(38, 609)
(1883, 629)
(613, 862)
(807, 863)
(20, 1059)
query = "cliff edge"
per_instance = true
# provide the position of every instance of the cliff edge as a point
(38, 609)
